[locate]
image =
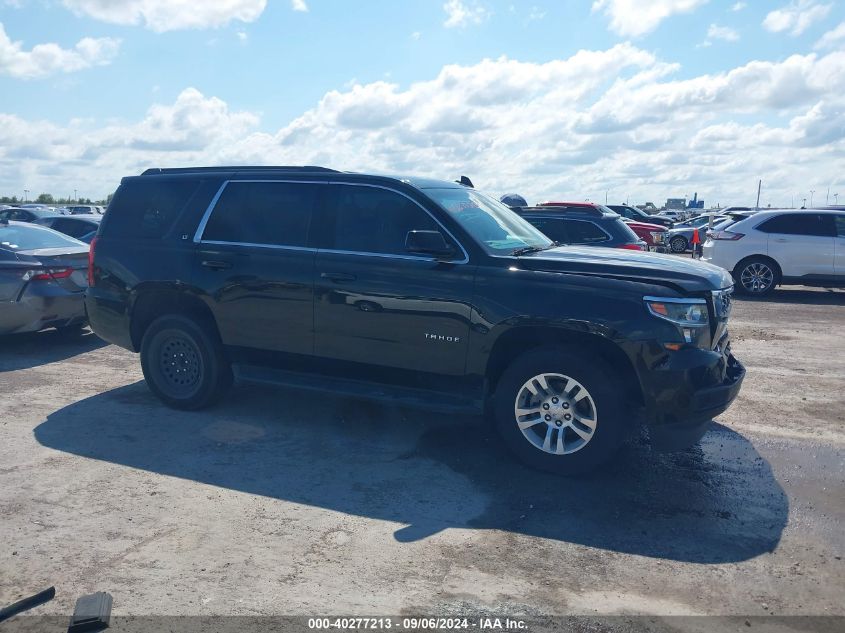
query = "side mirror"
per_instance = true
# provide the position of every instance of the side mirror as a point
(428, 243)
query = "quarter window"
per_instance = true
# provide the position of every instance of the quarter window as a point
(371, 220)
(267, 213)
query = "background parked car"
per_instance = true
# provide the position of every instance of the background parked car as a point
(582, 223)
(29, 214)
(633, 213)
(84, 209)
(78, 226)
(679, 237)
(765, 249)
(43, 276)
(654, 235)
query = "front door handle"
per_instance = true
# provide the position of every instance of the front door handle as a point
(338, 277)
(216, 264)
(781, 239)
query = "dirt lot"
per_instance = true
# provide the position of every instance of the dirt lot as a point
(279, 503)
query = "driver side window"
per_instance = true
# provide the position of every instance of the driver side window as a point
(373, 220)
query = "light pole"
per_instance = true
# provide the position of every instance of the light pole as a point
(812, 191)
(803, 203)
(836, 198)
(25, 195)
(75, 199)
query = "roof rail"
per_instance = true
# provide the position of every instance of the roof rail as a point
(548, 208)
(235, 168)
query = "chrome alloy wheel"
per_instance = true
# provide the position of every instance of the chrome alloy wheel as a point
(757, 277)
(555, 413)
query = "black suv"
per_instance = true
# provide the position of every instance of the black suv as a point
(638, 215)
(421, 292)
(584, 224)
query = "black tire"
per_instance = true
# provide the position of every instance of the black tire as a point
(756, 276)
(603, 387)
(678, 244)
(183, 362)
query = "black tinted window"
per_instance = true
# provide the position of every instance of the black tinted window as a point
(551, 228)
(799, 224)
(74, 228)
(840, 225)
(583, 232)
(371, 220)
(273, 213)
(148, 207)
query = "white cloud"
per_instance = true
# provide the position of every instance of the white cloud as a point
(170, 15)
(416, 35)
(535, 14)
(48, 59)
(299, 5)
(796, 17)
(739, 6)
(716, 32)
(633, 18)
(575, 127)
(459, 13)
(832, 38)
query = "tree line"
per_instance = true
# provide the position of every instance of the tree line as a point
(47, 198)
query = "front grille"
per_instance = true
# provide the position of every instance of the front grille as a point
(722, 302)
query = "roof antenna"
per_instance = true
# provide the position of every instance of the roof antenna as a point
(466, 182)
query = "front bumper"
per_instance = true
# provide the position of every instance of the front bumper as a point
(686, 391)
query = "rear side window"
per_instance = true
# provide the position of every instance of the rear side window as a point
(552, 228)
(148, 207)
(371, 220)
(583, 232)
(265, 213)
(840, 225)
(799, 224)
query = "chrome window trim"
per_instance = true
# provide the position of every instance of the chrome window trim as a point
(465, 259)
(278, 247)
(207, 215)
(674, 299)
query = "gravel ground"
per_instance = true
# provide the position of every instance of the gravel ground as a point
(279, 503)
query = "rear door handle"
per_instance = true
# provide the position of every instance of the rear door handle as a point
(338, 277)
(216, 264)
(781, 239)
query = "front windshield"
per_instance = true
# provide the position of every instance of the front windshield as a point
(493, 225)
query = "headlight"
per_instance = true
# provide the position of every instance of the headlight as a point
(658, 237)
(683, 312)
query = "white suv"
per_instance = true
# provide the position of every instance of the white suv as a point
(780, 247)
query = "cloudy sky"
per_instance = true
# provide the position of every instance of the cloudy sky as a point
(633, 99)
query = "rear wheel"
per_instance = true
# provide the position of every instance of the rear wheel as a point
(678, 244)
(756, 276)
(560, 410)
(183, 362)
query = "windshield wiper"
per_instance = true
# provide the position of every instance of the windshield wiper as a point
(527, 250)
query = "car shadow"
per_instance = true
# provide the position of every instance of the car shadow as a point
(800, 295)
(22, 351)
(718, 502)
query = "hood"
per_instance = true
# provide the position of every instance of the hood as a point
(686, 275)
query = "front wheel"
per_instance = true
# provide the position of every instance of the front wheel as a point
(560, 410)
(756, 276)
(183, 362)
(678, 244)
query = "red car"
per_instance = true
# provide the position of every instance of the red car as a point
(652, 234)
